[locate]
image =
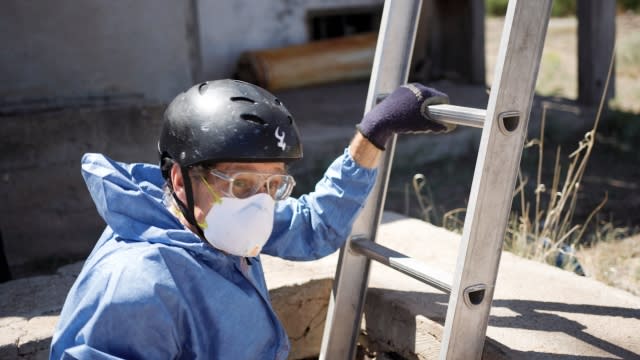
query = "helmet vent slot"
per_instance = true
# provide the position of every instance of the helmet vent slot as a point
(254, 118)
(290, 120)
(243, 99)
(203, 88)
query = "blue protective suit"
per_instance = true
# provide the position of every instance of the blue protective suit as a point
(152, 289)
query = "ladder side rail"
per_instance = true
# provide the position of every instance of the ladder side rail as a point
(494, 178)
(390, 69)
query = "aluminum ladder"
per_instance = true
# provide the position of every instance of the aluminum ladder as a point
(504, 125)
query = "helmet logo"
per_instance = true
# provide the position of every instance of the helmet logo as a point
(281, 144)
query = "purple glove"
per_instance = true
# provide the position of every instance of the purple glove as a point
(403, 111)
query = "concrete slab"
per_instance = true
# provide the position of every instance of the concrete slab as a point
(539, 312)
(29, 310)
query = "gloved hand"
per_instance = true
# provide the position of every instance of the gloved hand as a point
(403, 111)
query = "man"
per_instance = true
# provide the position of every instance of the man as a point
(177, 271)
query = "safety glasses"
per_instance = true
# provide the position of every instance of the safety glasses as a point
(245, 184)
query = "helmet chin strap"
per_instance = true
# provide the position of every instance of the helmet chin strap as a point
(187, 210)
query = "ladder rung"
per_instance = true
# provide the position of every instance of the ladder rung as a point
(402, 263)
(453, 114)
(458, 115)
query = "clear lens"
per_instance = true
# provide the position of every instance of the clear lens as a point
(245, 184)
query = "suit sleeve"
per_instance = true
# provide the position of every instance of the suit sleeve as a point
(318, 223)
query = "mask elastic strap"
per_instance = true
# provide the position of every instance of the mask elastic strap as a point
(216, 198)
(187, 210)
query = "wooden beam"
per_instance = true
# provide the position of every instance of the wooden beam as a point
(317, 62)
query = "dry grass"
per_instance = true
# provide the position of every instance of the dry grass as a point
(610, 259)
(547, 232)
(543, 227)
(614, 261)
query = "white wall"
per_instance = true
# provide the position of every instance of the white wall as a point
(227, 28)
(153, 48)
(95, 47)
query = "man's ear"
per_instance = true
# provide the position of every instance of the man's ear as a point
(177, 182)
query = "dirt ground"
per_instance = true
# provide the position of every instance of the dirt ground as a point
(613, 169)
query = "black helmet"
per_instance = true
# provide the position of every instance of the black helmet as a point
(224, 121)
(230, 121)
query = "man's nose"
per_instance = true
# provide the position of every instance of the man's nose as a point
(264, 188)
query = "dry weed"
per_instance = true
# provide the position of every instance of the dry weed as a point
(614, 261)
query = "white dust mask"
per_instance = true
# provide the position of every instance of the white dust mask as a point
(240, 226)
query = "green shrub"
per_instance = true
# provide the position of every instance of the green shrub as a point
(631, 5)
(558, 8)
(563, 8)
(496, 7)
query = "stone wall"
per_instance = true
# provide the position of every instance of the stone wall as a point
(47, 213)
